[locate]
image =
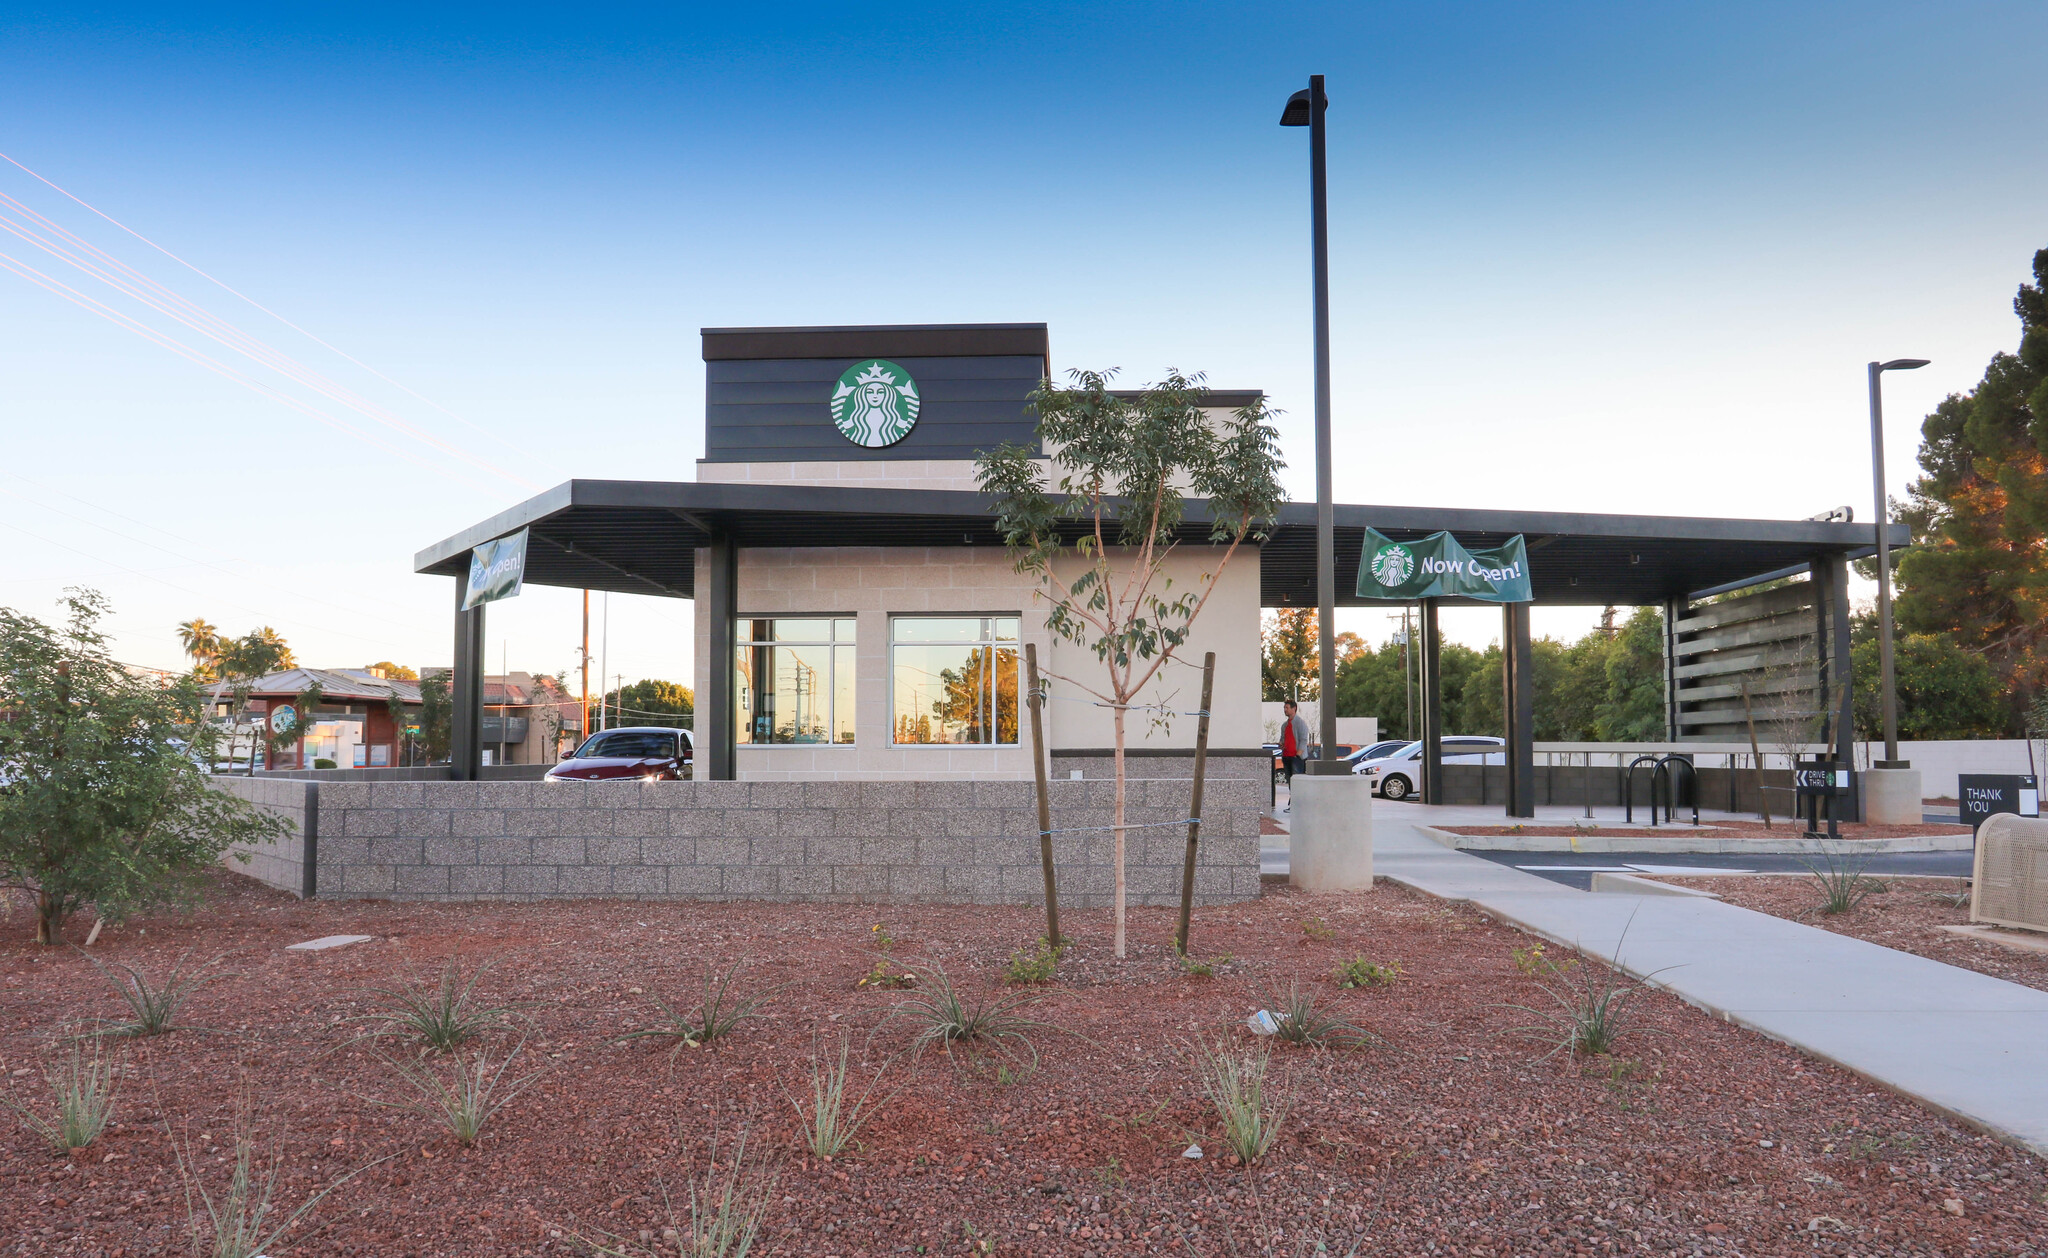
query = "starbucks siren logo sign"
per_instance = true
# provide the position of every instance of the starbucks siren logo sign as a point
(875, 404)
(1392, 564)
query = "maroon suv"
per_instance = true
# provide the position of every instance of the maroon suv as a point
(650, 753)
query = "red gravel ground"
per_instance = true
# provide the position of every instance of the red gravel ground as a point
(1446, 1138)
(1906, 916)
(1717, 830)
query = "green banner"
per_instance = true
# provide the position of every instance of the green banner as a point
(1437, 567)
(497, 569)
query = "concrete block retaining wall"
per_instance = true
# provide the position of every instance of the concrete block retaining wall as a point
(281, 864)
(951, 841)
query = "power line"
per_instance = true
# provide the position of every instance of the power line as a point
(252, 301)
(175, 306)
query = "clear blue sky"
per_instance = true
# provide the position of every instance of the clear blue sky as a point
(1619, 257)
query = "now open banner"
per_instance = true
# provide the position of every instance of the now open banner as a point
(1437, 567)
(497, 569)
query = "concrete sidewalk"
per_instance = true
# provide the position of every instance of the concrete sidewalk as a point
(1969, 1045)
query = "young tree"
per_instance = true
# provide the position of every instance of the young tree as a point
(105, 801)
(1111, 494)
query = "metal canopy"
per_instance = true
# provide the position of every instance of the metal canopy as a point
(641, 537)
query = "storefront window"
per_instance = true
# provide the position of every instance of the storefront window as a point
(953, 679)
(794, 681)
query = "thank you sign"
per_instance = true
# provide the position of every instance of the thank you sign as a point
(497, 569)
(1438, 567)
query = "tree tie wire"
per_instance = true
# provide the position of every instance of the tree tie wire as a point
(1143, 825)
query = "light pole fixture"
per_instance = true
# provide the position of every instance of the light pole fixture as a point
(1306, 109)
(1887, 693)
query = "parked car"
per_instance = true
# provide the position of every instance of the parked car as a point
(1385, 747)
(1397, 774)
(650, 753)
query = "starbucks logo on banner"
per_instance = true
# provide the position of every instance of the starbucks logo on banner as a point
(1392, 564)
(875, 404)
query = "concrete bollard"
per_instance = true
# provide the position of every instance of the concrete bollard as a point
(1330, 833)
(1891, 797)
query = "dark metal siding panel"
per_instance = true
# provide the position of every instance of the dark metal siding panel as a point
(880, 341)
(780, 410)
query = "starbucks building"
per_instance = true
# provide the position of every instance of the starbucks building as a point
(857, 619)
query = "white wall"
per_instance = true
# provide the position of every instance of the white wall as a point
(1940, 762)
(873, 583)
(1356, 730)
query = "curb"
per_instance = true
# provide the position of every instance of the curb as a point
(1594, 843)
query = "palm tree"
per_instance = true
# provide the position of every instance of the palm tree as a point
(202, 642)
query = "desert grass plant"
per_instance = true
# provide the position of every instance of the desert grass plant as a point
(1195, 967)
(1037, 967)
(477, 1087)
(717, 1015)
(1299, 1019)
(1361, 972)
(728, 1206)
(152, 1006)
(1956, 896)
(441, 1017)
(828, 1125)
(1595, 1005)
(1843, 884)
(244, 1218)
(82, 1091)
(1236, 1085)
(886, 973)
(945, 1018)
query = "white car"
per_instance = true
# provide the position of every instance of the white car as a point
(1399, 774)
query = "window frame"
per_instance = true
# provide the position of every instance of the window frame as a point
(990, 640)
(744, 641)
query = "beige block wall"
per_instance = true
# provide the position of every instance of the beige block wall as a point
(872, 584)
(874, 474)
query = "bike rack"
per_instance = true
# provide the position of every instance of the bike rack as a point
(1692, 785)
(1628, 788)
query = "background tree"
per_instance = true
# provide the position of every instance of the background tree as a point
(437, 718)
(393, 672)
(106, 803)
(1943, 691)
(1289, 667)
(653, 702)
(1977, 573)
(201, 641)
(1113, 484)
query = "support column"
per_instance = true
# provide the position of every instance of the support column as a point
(1674, 611)
(1844, 719)
(1518, 707)
(1432, 707)
(466, 692)
(716, 739)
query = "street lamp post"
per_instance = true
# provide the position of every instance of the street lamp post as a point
(1887, 695)
(1306, 109)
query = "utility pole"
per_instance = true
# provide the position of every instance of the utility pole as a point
(583, 729)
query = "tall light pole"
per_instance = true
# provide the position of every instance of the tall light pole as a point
(1306, 109)
(1887, 695)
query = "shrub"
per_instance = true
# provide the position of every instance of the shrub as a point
(152, 1009)
(945, 1018)
(82, 1090)
(1359, 972)
(475, 1090)
(828, 1127)
(107, 803)
(244, 1220)
(1235, 1084)
(442, 1018)
(728, 1206)
(717, 1015)
(1843, 884)
(1593, 1011)
(1301, 1021)
(1195, 967)
(883, 975)
(1038, 966)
